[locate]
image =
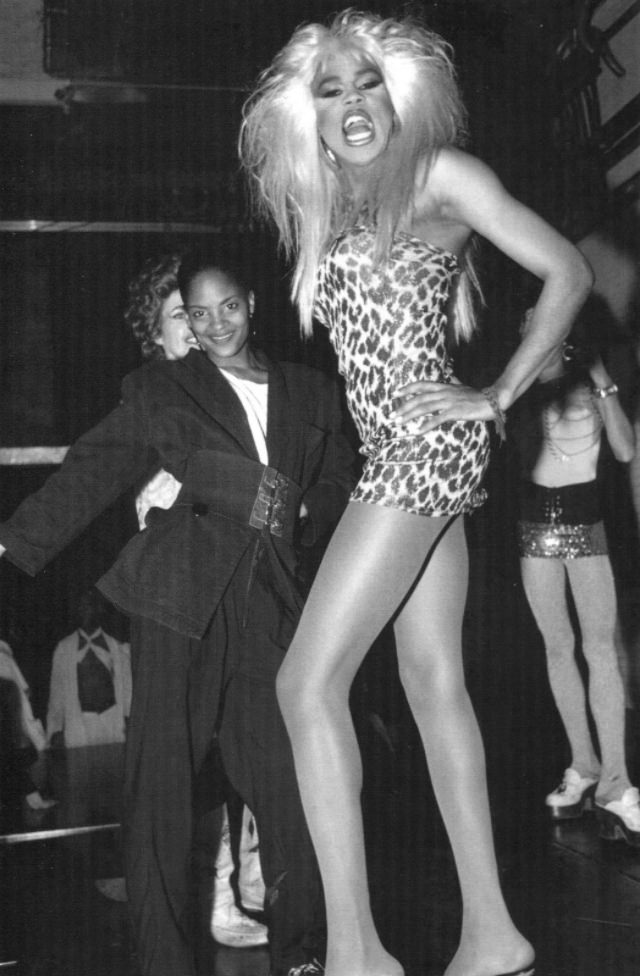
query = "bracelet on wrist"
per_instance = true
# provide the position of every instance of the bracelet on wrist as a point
(499, 415)
(602, 392)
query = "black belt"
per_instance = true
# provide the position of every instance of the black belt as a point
(270, 507)
(240, 489)
(576, 504)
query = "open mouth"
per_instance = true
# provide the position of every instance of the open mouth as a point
(357, 128)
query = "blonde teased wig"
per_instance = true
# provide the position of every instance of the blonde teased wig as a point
(291, 178)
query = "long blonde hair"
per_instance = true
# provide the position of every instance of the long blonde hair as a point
(291, 180)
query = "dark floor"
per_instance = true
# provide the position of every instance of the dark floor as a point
(575, 896)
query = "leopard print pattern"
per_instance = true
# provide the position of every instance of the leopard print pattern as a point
(387, 324)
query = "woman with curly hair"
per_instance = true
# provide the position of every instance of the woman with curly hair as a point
(154, 305)
(351, 144)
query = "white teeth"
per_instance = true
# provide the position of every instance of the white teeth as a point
(355, 119)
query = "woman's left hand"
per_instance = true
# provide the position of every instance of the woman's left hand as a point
(435, 403)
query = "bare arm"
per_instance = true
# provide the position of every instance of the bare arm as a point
(617, 425)
(469, 195)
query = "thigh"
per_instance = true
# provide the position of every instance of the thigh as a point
(544, 582)
(371, 564)
(594, 595)
(428, 627)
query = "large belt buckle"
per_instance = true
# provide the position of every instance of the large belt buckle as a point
(269, 508)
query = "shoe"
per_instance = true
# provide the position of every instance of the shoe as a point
(519, 972)
(574, 795)
(113, 888)
(36, 801)
(231, 927)
(620, 819)
(313, 968)
(250, 882)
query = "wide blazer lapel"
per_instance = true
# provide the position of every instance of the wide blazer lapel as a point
(204, 384)
(285, 431)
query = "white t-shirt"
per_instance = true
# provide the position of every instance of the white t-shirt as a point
(254, 399)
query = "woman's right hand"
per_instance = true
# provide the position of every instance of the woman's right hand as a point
(434, 403)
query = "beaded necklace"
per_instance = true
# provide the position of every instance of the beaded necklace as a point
(554, 447)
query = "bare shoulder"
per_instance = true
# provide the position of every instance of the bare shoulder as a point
(467, 196)
(453, 177)
(438, 215)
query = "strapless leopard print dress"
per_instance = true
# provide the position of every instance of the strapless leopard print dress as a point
(387, 325)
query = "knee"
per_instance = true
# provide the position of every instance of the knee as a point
(308, 694)
(286, 686)
(292, 692)
(431, 681)
(559, 648)
(599, 650)
(599, 637)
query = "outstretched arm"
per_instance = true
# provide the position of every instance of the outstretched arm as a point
(101, 465)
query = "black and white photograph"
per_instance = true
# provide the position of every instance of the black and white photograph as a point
(320, 488)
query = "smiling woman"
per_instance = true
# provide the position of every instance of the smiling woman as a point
(256, 452)
(220, 308)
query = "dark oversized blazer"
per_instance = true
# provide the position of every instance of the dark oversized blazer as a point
(183, 416)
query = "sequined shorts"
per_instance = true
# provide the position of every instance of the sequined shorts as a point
(550, 540)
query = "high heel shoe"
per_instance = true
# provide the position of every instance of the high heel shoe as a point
(519, 972)
(570, 800)
(620, 819)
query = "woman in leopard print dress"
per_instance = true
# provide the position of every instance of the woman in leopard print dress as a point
(350, 142)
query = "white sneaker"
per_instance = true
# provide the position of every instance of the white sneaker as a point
(250, 881)
(573, 796)
(620, 819)
(231, 927)
(112, 888)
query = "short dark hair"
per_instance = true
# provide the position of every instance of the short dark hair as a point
(147, 291)
(195, 262)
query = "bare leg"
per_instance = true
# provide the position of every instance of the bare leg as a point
(544, 583)
(594, 594)
(428, 636)
(373, 561)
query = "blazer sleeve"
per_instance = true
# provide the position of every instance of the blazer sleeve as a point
(102, 464)
(327, 496)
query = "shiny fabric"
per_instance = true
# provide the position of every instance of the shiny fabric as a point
(561, 522)
(552, 540)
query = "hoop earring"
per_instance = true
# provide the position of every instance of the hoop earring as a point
(568, 352)
(329, 153)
